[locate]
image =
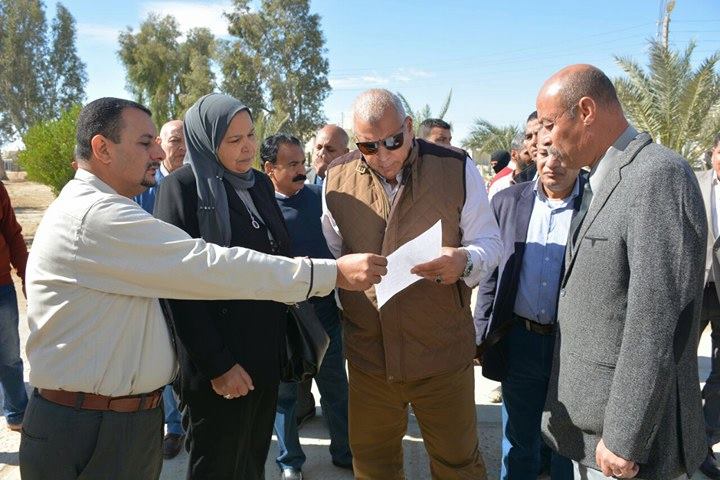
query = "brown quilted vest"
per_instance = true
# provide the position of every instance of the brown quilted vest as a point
(425, 329)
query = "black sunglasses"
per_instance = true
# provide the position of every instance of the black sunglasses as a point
(391, 143)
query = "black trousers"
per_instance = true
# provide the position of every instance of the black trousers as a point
(64, 443)
(229, 439)
(711, 391)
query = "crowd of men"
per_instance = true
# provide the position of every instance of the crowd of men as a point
(593, 250)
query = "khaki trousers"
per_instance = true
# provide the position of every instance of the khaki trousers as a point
(445, 409)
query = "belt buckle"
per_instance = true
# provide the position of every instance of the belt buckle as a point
(528, 325)
(110, 404)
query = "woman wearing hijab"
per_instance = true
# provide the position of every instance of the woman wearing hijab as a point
(221, 198)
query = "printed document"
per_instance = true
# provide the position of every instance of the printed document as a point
(423, 248)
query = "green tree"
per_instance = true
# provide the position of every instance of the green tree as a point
(197, 78)
(66, 75)
(277, 61)
(677, 104)
(487, 138)
(267, 124)
(40, 74)
(163, 73)
(418, 116)
(49, 150)
(23, 49)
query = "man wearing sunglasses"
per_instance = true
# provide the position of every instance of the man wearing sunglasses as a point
(418, 348)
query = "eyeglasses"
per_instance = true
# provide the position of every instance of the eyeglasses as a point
(391, 143)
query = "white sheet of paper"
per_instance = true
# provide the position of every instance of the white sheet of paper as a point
(421, 249)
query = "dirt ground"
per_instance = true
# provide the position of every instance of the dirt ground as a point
(29, 200)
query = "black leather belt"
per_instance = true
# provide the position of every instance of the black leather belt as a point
(532, 326)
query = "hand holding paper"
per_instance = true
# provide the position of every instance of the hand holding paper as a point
(445, 269)
(424, 248)
(358, 271)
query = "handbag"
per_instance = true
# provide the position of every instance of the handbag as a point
(305, 344)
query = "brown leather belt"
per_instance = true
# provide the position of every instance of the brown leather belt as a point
(90, 401)
(539, 328)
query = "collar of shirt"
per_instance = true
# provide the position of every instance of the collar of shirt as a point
(282, 196)
(163, 170)
(603, 166)
(85, 176)
(555, 204)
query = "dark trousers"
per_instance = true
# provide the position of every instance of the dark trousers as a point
(64, 443)
(333, 385)
(305, 400)
(229, 439)
(711, 391)
(529, 356)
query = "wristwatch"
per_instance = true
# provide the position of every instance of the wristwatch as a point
(468, 264)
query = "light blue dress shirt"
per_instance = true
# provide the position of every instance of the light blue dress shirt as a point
(544, 255)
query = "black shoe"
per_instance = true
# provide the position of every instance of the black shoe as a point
(710, 466)
(304, 418)
(345, 465)
(172, 443)
(291, 474)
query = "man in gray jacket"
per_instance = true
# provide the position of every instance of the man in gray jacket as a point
(624, 398)
(710, 189)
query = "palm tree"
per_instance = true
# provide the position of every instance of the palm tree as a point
(678, 105)
(418, 116)
(485, 137)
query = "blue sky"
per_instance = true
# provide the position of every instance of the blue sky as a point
(494, 55)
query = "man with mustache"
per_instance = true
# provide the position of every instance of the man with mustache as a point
(99, 349)
(301, 205)
(515, 315)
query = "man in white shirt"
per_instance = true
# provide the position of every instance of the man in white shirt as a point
(710, 189)
(99, 349)
(419, 346)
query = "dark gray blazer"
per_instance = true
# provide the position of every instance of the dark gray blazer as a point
(625, 365)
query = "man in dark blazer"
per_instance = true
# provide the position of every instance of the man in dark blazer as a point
(624, 397)
(519, 302)
(710, 189)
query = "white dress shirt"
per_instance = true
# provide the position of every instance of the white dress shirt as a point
(715, 205)
(480, 233)
(99, 263)
(601, 168)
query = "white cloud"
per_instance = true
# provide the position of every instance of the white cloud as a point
(400, 75)
(366, 81)
(193, 14)
(95, 33)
